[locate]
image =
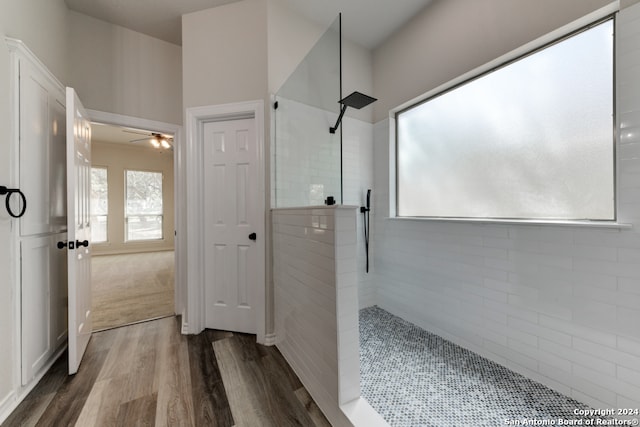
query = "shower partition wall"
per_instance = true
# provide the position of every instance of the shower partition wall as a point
(306, 157)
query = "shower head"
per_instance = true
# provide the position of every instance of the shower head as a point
(356, 100)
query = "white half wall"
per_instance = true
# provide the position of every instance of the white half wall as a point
(316, 302)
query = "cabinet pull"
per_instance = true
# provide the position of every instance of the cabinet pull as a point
(8, 192)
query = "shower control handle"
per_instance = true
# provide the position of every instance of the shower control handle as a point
(253, 236)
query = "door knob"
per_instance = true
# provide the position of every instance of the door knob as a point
(84, 243)
(61, 245)
(253, 236)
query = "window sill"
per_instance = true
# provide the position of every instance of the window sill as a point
(562, 223)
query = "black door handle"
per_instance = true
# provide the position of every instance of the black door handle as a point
(253, 236)
(62, 245)
(84, 243)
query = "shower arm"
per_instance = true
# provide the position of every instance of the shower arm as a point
(342, 110)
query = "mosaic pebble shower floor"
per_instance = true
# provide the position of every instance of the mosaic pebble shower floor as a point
(414, 378)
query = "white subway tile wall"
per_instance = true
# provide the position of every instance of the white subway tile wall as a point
(560, 305)
(306, 168)
(316, 302)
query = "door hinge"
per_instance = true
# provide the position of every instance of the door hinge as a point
(275, 105)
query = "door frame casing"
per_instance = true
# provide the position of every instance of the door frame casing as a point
(196, 117)
(179, 198)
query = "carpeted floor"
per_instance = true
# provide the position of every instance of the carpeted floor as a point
(132, 287)
(415, 378)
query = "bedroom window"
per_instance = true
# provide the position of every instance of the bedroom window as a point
(532, 139)
(99, 204)
(143, 205)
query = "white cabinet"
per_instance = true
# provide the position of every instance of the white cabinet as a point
(39, 151)
(43, 295)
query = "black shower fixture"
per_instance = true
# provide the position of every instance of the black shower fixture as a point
(356, 100)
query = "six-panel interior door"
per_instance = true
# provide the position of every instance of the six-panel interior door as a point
(232, 256)
(79, 232)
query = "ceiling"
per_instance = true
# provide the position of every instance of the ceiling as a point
(366, 22)
(120, 135)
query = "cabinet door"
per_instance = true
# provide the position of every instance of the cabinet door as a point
(34, 150)
(35, 297)
(42, 152)
(44, 301)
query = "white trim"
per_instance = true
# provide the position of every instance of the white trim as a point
(270, 339)
(16, 45)
(392, 167)
(178, 177)
(134, 122)
(8, 405)
(14, 399)
(195, 119)
(562, 223)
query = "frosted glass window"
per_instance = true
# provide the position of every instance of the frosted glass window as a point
(530, 140)
(143, 208)
(99, 205)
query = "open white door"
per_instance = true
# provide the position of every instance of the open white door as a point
(79, 228)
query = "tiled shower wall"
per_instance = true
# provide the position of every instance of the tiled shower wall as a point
(318, 161)
(305, 156)
(558, 304)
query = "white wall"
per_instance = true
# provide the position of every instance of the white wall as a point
(121, 71)
(225, 54)
(450, 37)
(291, 36)
(42, 26)
(118, 158)
(559, 304)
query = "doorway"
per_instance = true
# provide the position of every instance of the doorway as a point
(197, 127)
(134, 220)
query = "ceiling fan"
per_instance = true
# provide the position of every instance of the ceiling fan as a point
(157, 140)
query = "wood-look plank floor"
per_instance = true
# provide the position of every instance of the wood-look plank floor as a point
(148, 374)
(129, 288)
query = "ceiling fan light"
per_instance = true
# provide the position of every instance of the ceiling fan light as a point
(154, 141)
(164, 143)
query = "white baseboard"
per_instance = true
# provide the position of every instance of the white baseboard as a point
(15, 397)
(7, 405)
(270, 339)
(185, 325)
